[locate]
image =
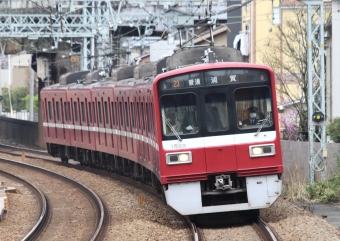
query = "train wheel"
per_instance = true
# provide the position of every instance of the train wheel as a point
(64, 159)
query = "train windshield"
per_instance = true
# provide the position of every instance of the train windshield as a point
(216, 102)
(253, 107)
(179, 114)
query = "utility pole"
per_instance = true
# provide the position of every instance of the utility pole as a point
(316, 88)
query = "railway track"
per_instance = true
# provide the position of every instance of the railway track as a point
(44, 209)
(63, 195)
(194, 233)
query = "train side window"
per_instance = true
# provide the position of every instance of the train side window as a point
(83, 115)
(100, 113)
(142, 114)
(148, 120)
(138, 116)
(69, 110)
(75, 111)
(106, 113)
(127, 115)
(90, 112)
(132, 115)
(121, 114)
(66, 113)
(49, 107)
(113, 113)
(58, 110)
(94, 112)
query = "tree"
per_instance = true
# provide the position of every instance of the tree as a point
(18, 99)
(333, 129)
(287, 56)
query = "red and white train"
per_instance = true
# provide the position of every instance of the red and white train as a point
(203, 132)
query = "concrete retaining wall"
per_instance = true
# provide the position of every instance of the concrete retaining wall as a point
(295, 156)
(19, 131)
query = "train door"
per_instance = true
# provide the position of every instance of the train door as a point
(219, 141)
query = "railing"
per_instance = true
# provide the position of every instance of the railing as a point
(21, 115)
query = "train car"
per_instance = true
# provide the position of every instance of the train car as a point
(204, 132)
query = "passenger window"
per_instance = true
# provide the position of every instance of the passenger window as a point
(127, 115)
(58, 110)
(69, 110)
(121, 114)
(50, 116)
(66, 112)
(83, 115)
(90, 112)
(75, 111)
(100, 113)
(113, 113)
(106, 113)
(132, 115)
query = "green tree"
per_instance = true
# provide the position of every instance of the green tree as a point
(333, 129)
(35, 102)
(18, 99)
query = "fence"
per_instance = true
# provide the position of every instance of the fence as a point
(21, 115)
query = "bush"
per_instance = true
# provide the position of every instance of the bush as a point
(333, 130)
(326, 191)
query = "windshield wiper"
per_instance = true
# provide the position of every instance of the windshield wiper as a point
(264, 121)
(172, 128)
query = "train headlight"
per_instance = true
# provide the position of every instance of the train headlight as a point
(262, 150)
(178, 158)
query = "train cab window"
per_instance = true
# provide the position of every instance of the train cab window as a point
(179, 113)
(83, 114)
(127, 115)
(57, 104)
(50, 110)
(66, 112)
(216, 112)
(253, 107)
(106, 109)
(75, 105)
(121, 114)
(100, 113)
(90, 112)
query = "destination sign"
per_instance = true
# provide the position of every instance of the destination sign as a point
(214, 77)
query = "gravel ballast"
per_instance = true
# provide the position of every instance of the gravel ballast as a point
(151, 221)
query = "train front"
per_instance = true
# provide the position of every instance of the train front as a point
(220, 148)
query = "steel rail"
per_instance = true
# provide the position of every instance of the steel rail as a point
(41, 198)
(102, 219)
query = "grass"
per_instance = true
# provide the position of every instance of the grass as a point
(297, 189)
